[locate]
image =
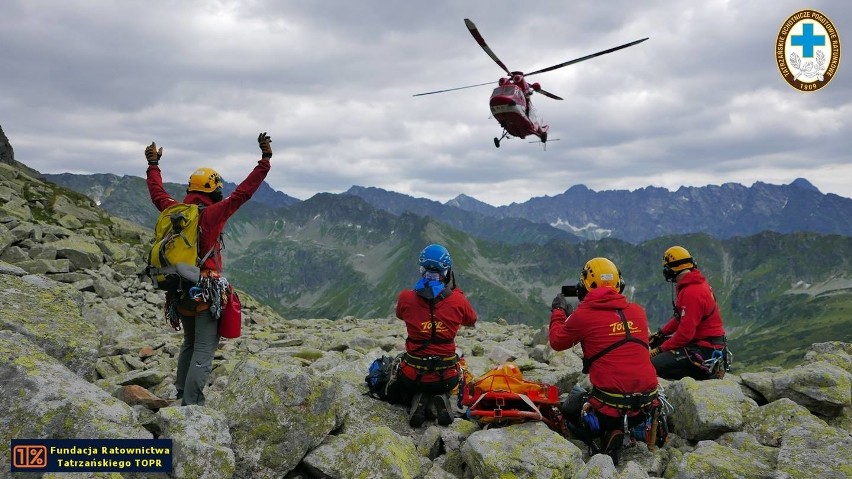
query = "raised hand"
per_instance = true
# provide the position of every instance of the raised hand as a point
(264, 142)
(152, 154)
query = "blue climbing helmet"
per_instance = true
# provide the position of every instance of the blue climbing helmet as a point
(436, 258)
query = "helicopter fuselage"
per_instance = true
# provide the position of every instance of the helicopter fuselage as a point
(512, 108)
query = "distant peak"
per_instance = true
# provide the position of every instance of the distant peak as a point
(464, 199)
(804, 184)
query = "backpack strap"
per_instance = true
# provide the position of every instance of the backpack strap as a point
(715, 305)
(219, 242)
(628, 338)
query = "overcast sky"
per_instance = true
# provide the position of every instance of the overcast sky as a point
(86, 85)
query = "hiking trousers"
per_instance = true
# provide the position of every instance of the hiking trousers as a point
(675, 364)
(195, 362)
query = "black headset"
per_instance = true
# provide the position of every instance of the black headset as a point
(671, 274)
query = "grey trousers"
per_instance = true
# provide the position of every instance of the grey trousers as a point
(195, 362)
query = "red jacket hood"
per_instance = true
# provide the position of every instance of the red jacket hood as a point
(692, 277)
(604, 298)
(196, 198)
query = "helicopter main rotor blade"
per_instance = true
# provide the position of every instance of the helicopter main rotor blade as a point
(454, 89)
(593, 55)
(481, 42)
(548, 94)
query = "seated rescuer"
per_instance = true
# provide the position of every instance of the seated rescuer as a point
(613, 334)
(693, 342)
(200, 327)
(433, 312)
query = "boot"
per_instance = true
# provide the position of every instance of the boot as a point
(614, 443)
(417, 413)
(443, 409)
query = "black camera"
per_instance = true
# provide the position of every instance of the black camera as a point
(569, 290)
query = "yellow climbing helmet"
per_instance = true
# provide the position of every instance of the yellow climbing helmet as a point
(675, 260)
(205, 180)
(600, 272)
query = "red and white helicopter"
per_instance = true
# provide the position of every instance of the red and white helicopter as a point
(510, 102)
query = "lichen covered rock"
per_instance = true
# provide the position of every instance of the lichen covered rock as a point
(277, 413)
(44, 399)
(375, 452)
(528, 450)
(49, 314)
(705, 409)
(201, 441)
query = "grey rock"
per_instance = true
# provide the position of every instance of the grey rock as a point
(600, 466)
(705, 409)
(390, 456)
(49, 314)
(277, 414)
(834, 352)
(202, 443)
(9, 269)
(80, 250)
(528, 450)
(714, 461)
(43, 398)
(821, 386)
(14, 255)
(46, 266)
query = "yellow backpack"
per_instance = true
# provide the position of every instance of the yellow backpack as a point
(173, 262)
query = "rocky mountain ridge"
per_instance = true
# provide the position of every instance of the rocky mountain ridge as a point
(636, 216)
(723, 211)
(86, 353)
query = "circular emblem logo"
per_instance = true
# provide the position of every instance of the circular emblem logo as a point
(807, 50)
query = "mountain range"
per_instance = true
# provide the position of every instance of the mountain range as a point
(635, 216)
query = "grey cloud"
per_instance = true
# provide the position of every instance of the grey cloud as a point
(86, 86)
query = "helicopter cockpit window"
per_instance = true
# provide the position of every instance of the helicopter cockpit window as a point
(504, 91)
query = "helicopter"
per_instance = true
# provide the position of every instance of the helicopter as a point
(511, 102)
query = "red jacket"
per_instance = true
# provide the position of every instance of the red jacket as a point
(214, 215)
(595, 324)
(699, 316)
(451, 313)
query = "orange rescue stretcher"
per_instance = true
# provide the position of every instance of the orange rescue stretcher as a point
(502, 396)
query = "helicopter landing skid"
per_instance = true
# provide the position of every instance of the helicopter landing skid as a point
(497, 140)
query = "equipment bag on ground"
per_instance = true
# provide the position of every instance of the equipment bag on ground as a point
(381, 376)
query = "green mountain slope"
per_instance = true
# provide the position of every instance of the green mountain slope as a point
(332, 256)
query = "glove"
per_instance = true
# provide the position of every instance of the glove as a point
(152, 154)
(655, 351)
(263, 140)
(655, 337)
(560, 302)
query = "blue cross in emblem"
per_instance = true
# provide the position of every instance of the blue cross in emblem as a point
(807, 40)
